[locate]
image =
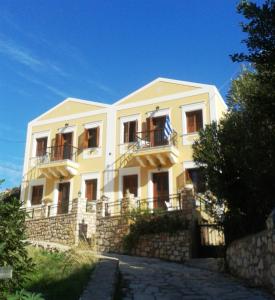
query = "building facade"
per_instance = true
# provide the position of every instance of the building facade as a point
(141, 144)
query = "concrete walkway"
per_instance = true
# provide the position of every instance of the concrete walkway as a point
(150, 279)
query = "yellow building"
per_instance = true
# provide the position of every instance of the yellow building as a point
(141, 143)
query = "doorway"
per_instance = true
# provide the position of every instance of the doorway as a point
(66, 142)
(160, 189)
(63, 198)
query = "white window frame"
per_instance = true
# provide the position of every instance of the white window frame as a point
(125, 119)
(159, 113)
(150, 186)
(89, 176)
(69, 129)
(188, 108)
(55, 196)
(94, 151)
(38, 135)
(126, 172)
(40, 181)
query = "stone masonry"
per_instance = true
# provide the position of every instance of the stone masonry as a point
(253, 257)
(173, 247)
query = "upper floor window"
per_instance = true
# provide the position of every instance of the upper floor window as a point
(194, 121)
(37, 195)
(130, 131)
(41, 146)
(92, 137)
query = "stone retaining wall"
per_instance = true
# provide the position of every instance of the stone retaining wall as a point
(174, 247)
(253, 258)
(58, 229)
(110, 232)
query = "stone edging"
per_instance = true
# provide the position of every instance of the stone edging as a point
(103, 281)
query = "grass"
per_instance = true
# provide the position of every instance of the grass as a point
(59, 275)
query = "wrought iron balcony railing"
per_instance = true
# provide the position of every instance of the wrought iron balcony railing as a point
(155, 138)
(57, 153)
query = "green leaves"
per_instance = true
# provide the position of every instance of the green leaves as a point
(12, 246)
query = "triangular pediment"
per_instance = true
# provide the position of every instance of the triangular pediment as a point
(158, 88)
(71, 106)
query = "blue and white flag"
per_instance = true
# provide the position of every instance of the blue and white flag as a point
(167, 128)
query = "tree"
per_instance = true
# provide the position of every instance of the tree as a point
(238, 155)
(12, 245)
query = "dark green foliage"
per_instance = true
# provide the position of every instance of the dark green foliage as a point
(238, 155)
(25, 295)
(12, 246)
(153, 224)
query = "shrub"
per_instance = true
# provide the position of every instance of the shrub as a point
(12, 245)
(159, 222)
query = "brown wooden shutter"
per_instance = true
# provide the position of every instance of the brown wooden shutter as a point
(97, 136)
(91, 189)
(85, 139)
(198, 120)
(57, 146)
(190, 120)
(126, 132)
(150, 132)
(136, 130)
(37, 194)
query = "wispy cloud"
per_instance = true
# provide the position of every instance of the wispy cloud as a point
(49, 87)
(101, 86)
(19, 54)
(25, 56)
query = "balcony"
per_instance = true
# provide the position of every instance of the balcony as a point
(58, 162)
(154, 148)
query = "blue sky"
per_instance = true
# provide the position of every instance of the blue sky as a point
(102, 50)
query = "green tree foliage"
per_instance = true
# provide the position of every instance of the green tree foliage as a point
(238, 155)
(12, 246)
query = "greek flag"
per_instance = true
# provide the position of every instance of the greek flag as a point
(167, 128)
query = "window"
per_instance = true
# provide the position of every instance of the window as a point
(41, 146)
(130, 182)
(37, 195)
(194, 121)
(91, 189)
(194, 175)
(93, 137)
(130, 131)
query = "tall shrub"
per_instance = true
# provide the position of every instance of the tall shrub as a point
(12, 245)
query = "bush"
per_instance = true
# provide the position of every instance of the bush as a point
(12, 245)
(146, 223)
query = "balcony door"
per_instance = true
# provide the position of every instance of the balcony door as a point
(63, 146)
(63, 198)
(66, 142)
(160, 189)
(155, 127)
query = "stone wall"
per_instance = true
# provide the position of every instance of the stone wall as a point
(174, 247)
(110, 231)
(58, 229)
(253, 257)
(65, 229)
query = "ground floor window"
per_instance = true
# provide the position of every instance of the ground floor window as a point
(37, 195)
(194, 175)
(130, 182)
(63, 198)
(91, 189)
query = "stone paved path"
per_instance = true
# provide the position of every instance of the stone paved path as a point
(151, 279)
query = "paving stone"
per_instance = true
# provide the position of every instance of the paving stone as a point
(153, 279)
